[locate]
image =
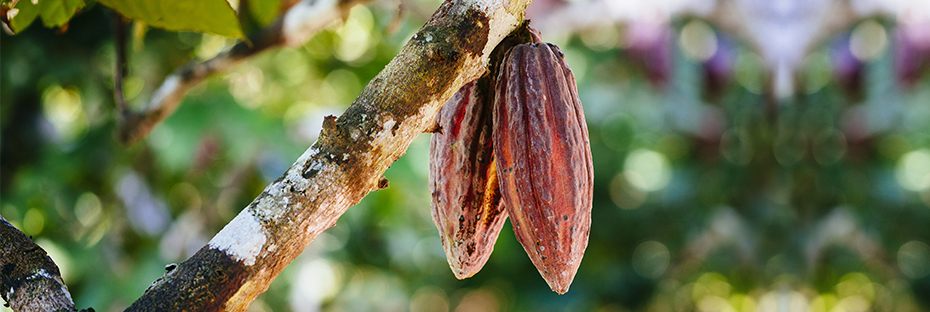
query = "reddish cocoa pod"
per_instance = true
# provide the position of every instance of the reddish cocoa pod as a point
(463, 182)
(544, 160)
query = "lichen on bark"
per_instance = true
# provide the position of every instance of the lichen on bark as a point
(29, 279)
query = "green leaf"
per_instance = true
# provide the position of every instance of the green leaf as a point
(26, 12)
(212, 16)
(255, 15)
(55, 13)
(265, 11)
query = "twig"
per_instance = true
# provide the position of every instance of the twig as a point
(293, 28)
(29, 279)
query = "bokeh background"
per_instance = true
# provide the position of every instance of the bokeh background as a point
(721, 184)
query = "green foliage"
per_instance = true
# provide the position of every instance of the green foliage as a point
(263, 11)
(212, 16)
(254, 15)
(57, 13)
(208, 16)
(54, 13)
(26, 13)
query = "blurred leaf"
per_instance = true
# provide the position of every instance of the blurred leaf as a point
(26, 12)
(212, 16)
(264, 11)
(255, 15)
(54, 13)
(247, 19)
(23, 15)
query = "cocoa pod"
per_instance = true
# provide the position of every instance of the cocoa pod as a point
(465, 198)
(543, 157)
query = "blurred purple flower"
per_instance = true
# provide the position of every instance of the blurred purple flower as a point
(718, 69)
(650, 48)
(911, 52)
(847, 68)
(541, 8)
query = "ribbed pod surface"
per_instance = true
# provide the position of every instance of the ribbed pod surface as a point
(543, 159)
(465, 198)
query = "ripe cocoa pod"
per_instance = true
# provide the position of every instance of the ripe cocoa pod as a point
(466, 202)
(543, 159)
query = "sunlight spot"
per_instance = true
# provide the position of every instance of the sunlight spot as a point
(88, 209)
(316, 281)
(914, 259)
(355, 35)
(868, 41)
(247, 85)
(601, 38)
(913, 171)
(698, 41)
(855, 284)
(714, 304)
(63, 109)
(211, 45)
(775, 301)
(33, 222)
(647, 170)
(710, 284)
(479, 300)
(429, 299)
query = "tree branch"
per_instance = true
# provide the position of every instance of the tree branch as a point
(29, 279)
(293, 28)
(344, 165)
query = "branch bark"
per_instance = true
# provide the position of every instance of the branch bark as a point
(344, 165)
(29, 280)
(293, 28)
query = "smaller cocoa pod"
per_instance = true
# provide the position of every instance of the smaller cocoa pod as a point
(465, 198)
(543, 159)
